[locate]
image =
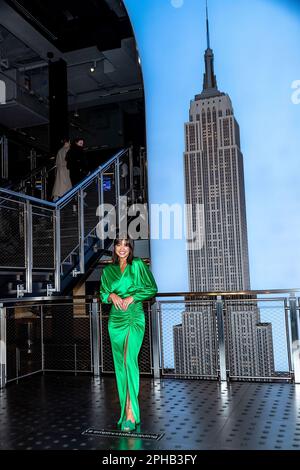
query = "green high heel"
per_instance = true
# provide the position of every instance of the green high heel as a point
(128, 425)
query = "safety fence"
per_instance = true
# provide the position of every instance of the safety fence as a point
(252, 336)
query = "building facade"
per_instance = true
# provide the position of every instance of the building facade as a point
(214, 186)
(218, 257)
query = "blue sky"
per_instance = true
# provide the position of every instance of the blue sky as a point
(257, 57)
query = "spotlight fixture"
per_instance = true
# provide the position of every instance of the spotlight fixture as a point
(93, 67)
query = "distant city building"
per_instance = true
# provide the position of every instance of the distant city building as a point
(250, 342)
(178, 349)
(265, 350)
(241, 328)
(195, 344)
(219, 261)
(214, 178)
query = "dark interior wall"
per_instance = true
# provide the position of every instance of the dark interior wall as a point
(43, 82)
(20, 145)
(111, 126)
(135, 128)
(19, 159)
(111, 129)
(105, 129)
(58, 104)
(100, 126)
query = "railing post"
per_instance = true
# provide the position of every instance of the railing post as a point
(287, 332)
(29, 253)
(131, 174)
(221, 338)
(57, 246)
(155, 311)
(95, 338)
(295, 338)
(75, 358)
(100, 201)
(2, 346)
(32, 158)
(42, 339)
(4, 157)
(18, 363)
(81, 231)
(117, 190)
(44, 183)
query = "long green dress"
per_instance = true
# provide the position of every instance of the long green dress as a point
(127, 327)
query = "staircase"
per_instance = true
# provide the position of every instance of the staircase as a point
(47, 247)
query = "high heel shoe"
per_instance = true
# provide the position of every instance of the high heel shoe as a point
(128, 425)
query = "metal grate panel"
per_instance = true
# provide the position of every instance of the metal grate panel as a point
(188, 338)
(23, 335)
(42, 238)
(67, 337)
(12, 234)
(257, 334)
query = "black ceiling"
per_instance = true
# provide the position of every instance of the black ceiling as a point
(71, 25)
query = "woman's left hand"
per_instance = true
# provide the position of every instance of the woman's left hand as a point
(127, 302)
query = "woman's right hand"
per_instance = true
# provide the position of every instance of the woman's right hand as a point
(116, 300)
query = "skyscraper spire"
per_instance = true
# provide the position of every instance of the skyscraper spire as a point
(207, 28)
(210, 87)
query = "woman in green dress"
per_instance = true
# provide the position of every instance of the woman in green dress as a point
(125, 284)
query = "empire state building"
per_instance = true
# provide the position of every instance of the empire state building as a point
(214, 182)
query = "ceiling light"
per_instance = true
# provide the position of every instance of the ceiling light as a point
(93, 67)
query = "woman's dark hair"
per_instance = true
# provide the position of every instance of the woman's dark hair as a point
(77, 139)
(128, 242)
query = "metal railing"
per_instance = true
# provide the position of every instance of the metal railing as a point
(251, 336)
(38, 235)
(64, 334)
(35, 165)
(46, 336)
(36, 183)
(39, 181)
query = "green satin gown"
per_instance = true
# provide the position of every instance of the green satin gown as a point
(127, 327)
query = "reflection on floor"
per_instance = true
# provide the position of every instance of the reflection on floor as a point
(53, 411)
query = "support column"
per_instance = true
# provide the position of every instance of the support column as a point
(155, 337)
(95, 338)
(58, 104)
(2, 346)
(221, 338)
(295, 338)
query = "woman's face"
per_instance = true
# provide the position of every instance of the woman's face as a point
(122, 250)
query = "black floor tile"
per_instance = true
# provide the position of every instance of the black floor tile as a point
(51, 412)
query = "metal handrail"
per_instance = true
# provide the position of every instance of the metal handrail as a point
(88, 179)
(223, 365)
(30, 181)
(25, 197)
(78, 247)
(228, 293)
(44, 170)
(36, 171)
(71, 192)
(159, 294)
